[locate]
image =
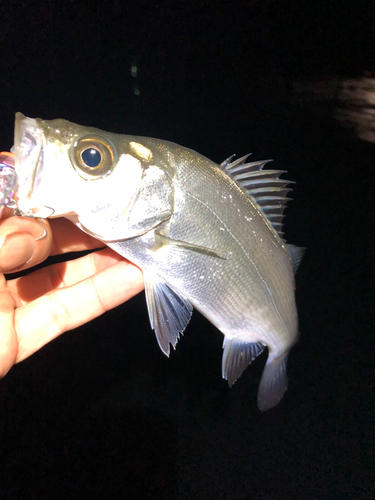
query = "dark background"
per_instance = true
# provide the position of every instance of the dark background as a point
(100, 413)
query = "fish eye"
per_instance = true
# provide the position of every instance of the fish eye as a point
(93, 157)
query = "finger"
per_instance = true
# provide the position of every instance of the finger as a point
(8, 336)
(44, 319)
(61, 275)
(67, 237)
(20, 247)
(5, 212)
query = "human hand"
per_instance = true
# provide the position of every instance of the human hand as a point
(36, 308)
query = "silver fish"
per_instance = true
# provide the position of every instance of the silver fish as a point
(205, 235)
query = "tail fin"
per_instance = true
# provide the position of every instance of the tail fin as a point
(274, 382)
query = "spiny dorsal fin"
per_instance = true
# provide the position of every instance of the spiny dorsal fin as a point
(265, 186)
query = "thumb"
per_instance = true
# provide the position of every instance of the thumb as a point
(20, 247)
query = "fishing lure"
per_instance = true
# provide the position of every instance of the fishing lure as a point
(8, 178)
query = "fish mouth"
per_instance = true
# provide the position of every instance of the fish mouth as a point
(28, 148)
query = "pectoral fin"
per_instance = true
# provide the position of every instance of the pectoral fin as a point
(161, 241)
(237, 356)
(169, 312)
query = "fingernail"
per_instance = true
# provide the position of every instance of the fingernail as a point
(17, 249)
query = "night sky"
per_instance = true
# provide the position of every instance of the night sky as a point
(101, 413)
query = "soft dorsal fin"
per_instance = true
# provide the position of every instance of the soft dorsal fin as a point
(296, 254)
(265, 186)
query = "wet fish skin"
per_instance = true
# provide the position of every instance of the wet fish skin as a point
(200, 239)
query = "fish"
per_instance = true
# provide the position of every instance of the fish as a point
(206, 235)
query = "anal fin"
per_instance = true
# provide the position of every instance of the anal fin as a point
(237, 356)
(169, 312)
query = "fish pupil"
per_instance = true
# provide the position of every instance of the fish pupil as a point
(91, 157)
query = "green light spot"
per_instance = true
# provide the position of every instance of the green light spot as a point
(134, 70)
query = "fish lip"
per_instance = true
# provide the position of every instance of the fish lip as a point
(28, 149)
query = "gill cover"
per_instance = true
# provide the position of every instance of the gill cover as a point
(141, 194)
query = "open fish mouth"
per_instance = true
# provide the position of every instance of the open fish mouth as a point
(28, 148)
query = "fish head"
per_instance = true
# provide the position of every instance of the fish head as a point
(106, 183)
